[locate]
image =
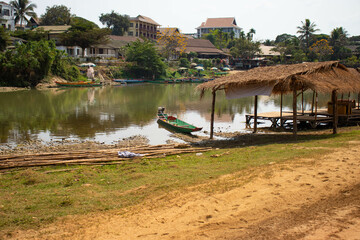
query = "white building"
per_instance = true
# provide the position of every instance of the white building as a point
(226, 25)
(7, 17)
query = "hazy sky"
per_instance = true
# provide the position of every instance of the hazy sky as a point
(268, 17)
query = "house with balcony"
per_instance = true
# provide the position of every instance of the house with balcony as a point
(227, 25)
(111, 48)
(142, 26)
(7, 16)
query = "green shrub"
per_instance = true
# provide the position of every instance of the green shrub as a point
(29, 63)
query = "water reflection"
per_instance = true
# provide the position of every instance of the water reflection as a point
(111, 113)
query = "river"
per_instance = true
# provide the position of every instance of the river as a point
(109, 114)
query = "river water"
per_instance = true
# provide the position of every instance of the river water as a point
(109, 114)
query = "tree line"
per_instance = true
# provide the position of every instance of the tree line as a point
(146, 60)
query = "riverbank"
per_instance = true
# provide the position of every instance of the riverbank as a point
(289, 190)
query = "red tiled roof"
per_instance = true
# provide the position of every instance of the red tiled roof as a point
(219, 23)
(145, 19)
(168, 30)
(123, 38)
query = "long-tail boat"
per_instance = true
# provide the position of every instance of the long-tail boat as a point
(78, 84)
(127, 81)
(175, 124)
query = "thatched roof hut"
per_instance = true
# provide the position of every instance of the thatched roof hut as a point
(320, 77)
(331, 77)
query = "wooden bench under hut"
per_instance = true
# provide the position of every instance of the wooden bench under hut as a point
(327, 77)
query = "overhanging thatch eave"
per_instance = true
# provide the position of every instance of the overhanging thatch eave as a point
(322, 77)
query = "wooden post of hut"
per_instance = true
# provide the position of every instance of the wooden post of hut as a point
(334, 108)
(255, 113)
(281, 109)
(302, 101)
(312, 104)
(212, 115)
(294, 112)
(316, 106)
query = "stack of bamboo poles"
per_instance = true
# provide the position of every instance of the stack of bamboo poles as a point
(93, 157)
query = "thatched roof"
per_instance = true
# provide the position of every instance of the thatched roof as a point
(321, 77)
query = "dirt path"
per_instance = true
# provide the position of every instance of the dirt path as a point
(302, 199)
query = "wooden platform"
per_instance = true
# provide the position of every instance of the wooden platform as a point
(321, 116)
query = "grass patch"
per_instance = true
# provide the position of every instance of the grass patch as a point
(30, 198)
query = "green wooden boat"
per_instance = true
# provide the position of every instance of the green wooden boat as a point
(78, 84)
(175, 124)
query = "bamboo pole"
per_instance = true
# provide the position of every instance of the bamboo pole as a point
(335, 114)
(255, 113)
(212, 115)
(66, 160)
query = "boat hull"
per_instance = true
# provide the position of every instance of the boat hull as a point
(78, 84)
(177, 125)
(127, 81)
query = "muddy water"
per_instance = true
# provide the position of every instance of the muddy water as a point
(110, 114)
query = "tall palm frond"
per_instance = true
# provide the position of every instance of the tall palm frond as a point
(23, 9)
(307, 29)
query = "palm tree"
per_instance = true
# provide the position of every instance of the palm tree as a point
(338, 36)
(306, 30)
(23, 8)
(250, 34)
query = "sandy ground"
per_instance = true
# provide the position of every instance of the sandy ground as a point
(300, 199)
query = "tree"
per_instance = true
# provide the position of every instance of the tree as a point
(284, 38)
(268, 42)
(118, 24)
(322, 49)
(171, 42)
(4, 39)
(338, 39)
(28, 64)
(56, 15)
(84, 34)
(306, 31)
(245, 48)
(250, 34)
(146, 60)
(31, 35)
(219, 38)
(23, 9)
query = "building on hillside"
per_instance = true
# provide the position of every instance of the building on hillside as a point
(7, 16)
(142, 26)
(33, 23)
(168, 30)
(261, 58)
(355, 49)
(54, 33)
(227, 25)
(110, 49)
(204, 49)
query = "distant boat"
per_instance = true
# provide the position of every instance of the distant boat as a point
(78, 84)
(129, 80)
(175, 124)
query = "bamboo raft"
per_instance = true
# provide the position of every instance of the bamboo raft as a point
(98, 157)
